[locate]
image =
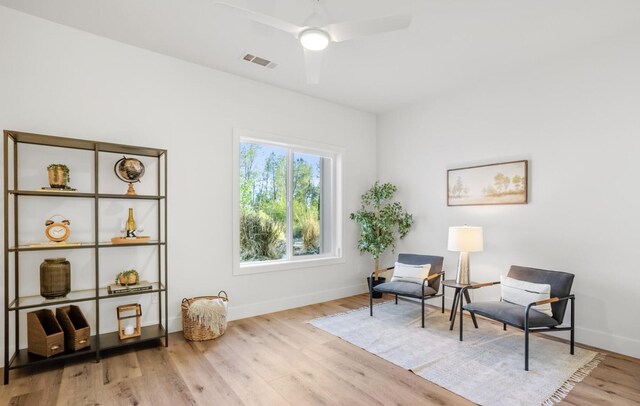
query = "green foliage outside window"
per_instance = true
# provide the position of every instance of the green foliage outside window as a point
(261, 238)
(263, 203)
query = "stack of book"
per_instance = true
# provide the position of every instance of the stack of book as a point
(117, 288)
(57, 189)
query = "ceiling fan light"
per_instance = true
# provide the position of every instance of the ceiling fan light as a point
(314, 39)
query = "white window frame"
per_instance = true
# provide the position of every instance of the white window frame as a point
(333, 255)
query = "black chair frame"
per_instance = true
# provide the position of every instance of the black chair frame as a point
(527, 330)
(422, 297)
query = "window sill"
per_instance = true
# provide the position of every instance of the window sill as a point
(276, 266)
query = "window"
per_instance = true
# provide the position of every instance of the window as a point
(286, 203)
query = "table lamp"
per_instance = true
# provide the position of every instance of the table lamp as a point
(464, 240)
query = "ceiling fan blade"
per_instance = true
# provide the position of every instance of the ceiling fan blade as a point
(261, 18)
(354, 29)
(313, 63)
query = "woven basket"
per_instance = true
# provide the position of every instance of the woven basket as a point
(75, 326)
(194, 331)
(44, 334)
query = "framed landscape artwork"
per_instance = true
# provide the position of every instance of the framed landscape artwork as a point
(502, 183)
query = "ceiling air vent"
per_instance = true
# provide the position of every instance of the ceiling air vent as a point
(259, 61)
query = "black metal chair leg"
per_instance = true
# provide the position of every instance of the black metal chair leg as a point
(461, 317)
(504, 326)
(526, 349)
(573, 327)
(396, 299)
(443, 290)
(422, 311)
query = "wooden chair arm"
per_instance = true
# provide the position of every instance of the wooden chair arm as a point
(539, 302)
(431, 277)
(481, 285)
(551, 300)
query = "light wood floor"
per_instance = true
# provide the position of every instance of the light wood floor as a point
(275, 359)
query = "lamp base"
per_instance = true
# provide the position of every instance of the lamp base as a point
(463, 275)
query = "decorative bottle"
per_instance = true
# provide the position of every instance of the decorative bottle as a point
(131, 225)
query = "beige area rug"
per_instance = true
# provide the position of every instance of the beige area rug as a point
(487, 368)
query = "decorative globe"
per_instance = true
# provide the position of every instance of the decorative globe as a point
(129, 170)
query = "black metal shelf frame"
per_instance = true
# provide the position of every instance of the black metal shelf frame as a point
(99, 342)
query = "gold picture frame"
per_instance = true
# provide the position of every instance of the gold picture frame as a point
(491, 184)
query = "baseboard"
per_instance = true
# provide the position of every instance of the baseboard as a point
(291, 302)
(610, 342)
(279, 304)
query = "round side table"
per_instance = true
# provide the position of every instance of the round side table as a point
(451, 283)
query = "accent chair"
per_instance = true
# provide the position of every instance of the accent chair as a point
(525, 317)
(428, 289)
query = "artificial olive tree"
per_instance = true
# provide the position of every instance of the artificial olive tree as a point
(381, 221)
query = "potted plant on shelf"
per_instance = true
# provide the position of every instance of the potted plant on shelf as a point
(381, 221)
(128, 277)
(58, 176)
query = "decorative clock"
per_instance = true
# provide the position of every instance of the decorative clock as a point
(57, 231)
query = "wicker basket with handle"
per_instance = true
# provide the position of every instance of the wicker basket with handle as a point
(194, 331)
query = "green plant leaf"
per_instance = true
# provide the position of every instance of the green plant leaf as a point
(381, 220)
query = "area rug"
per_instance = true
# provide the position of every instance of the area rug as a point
(487, 368)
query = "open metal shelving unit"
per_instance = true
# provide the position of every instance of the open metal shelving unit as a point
(14, 303)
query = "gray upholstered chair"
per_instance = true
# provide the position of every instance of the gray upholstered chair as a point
(428, 289)
(524, 317)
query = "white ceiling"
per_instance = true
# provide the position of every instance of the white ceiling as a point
(449, 43)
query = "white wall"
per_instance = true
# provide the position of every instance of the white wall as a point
(575, 118)
(60, 81)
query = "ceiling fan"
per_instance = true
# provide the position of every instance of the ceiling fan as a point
(315, 34)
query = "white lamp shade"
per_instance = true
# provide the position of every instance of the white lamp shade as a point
(465, 239)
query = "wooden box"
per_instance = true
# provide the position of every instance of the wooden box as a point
(75, 326)
(44, 334)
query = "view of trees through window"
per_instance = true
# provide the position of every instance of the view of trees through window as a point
(269, 228)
